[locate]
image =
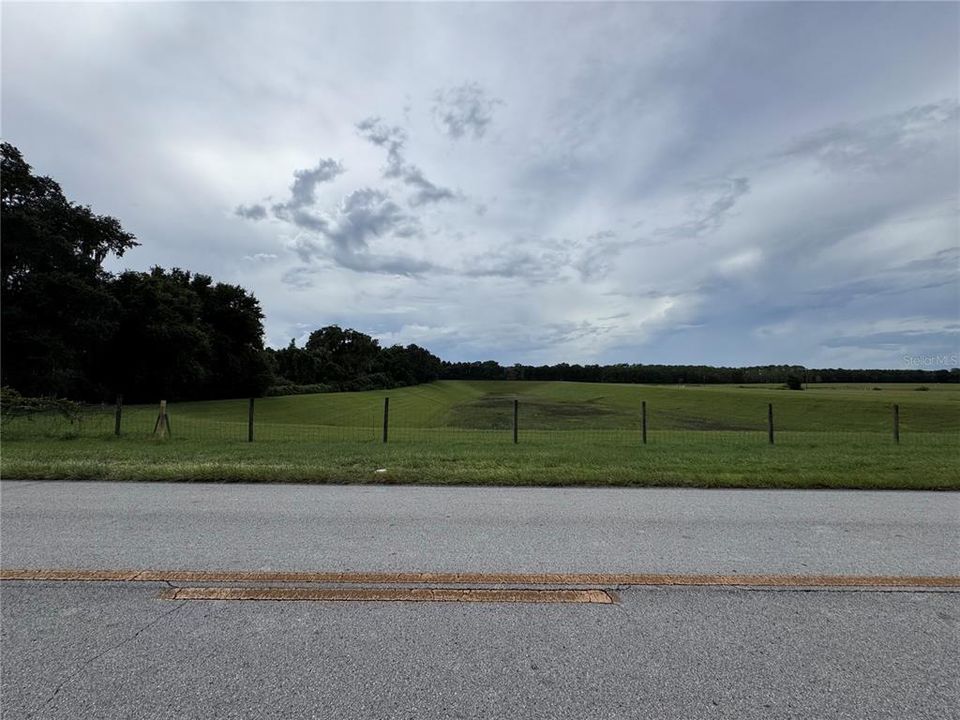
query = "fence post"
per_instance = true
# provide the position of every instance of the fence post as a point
(896, 424)
(117, 414)
(643, 419)
(250, 422)
(386, 417)
(162, 426)
(770, 422)
(516, 415)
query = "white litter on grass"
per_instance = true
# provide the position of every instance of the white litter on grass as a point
(380, 470)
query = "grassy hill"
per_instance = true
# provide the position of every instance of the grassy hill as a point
(488, 405)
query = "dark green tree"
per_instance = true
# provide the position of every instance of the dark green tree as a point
(343, 354)
(57, 311)
(180, 336)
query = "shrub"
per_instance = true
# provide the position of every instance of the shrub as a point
(292, 389)
(15, 405)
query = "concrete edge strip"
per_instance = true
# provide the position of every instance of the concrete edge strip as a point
(480, 595)
(439, 578)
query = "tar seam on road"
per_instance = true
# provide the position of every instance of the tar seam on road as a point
(483, 595)
(444, 578)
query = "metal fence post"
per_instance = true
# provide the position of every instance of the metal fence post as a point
(386, 417)
(643, 421)
(896, 424)
(770, 422)
(516, 415)
(250, 422)
(117, 415)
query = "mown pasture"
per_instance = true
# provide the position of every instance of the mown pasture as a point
(569, 433)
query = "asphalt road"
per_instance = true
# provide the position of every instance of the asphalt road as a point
(460, 529)
(118, 650)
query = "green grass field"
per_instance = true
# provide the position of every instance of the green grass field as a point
(570, 433)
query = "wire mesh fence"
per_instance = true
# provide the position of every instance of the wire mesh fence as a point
(412, 417)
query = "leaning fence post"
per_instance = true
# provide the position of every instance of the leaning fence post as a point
(386, 417)
(516, 416)
(250, 422)
(162, 426)
(117, 414)
(770, 422)
(643, 420)
(896, 424)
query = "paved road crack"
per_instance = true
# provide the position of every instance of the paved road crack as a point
(92, 659)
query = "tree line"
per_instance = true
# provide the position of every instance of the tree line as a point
(795, 375)
(70, 329)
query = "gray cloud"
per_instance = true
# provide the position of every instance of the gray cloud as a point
(542, 260)
(424, 190)
(511, 263)
(710, 207)
(303, 195)
(464, 109)
(345, 237)
(384, 264)
(300, 278)
(393, 139)
(251, 212)
(598, 255)
(303, 219)
(304, 276)
(303, 190)
(344, 234)
(948, 336)
(366, 213)
(883, 143)
(938, 270)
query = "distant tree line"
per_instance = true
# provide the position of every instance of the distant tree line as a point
(70, 329)
(687, 374)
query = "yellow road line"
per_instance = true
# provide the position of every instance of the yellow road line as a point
(440, 578)
(484, 595)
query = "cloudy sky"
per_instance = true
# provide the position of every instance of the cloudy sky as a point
(722, 183)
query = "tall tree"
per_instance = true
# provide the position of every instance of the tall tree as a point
(57, 313)
(182, 336)
(343, 354)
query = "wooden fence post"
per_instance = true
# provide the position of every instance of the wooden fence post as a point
(516, 417)
(643, 419)
(896, 424)
(162, 426)
(250, 422)
(117, 414)
(770, 422)
(386, 417)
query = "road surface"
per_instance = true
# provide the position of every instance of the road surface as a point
(118, 649)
